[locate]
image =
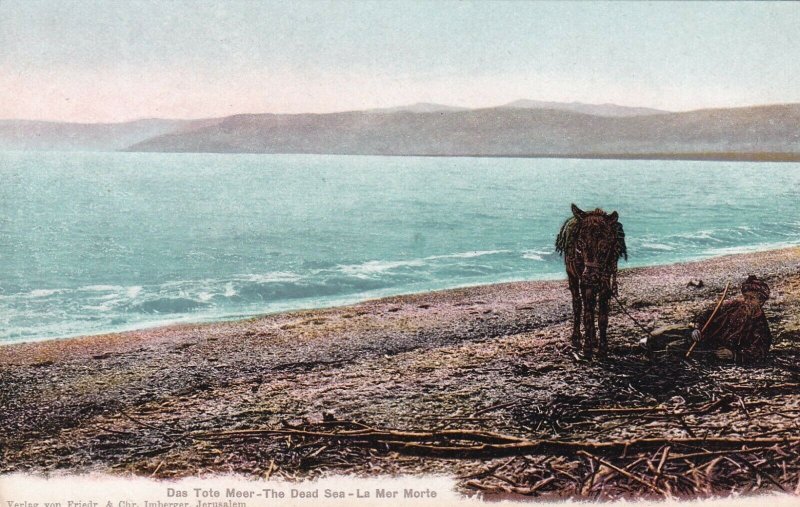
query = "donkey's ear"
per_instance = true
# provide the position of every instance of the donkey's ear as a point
(613, 217)
(579, 213)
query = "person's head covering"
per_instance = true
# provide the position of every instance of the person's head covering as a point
(753, 284)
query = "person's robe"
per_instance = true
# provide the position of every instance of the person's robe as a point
(740, 326)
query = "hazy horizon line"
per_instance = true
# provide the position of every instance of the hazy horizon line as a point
(399, 106)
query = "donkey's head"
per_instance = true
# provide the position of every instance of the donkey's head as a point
(596, 244)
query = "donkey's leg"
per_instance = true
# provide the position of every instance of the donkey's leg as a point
(575, 289)
(589, 337)
(602, 322)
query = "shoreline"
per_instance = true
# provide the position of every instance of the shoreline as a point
(344, 302)
(128, 403)
(688, 156)
(765, 157)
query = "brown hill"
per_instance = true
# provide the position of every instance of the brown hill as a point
(762, 131)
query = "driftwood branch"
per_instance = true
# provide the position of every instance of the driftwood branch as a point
(482, 444)
(370, 434)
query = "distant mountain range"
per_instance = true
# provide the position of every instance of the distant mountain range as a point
(519, 129)
(577, 107)
(32, 135)
(580, 107)
(419, 107)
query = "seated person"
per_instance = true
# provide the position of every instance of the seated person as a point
(738, 331)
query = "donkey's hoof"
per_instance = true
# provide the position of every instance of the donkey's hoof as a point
(579, 357)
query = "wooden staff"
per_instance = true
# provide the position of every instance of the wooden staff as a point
(724, 293)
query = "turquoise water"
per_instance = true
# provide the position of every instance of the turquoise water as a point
(92, 242)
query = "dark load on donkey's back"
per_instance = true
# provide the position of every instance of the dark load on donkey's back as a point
(591, 243)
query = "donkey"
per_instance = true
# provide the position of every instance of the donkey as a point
(591, 243)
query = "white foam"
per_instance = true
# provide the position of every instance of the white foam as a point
(658, 246)
(713, 252)
(133, 291)
(374, 267)
(101, 288)
(41, 293)
(702, 234)
(365, 269)
(466, 255)
(229, 290)
(535, 255)
(273, 277)
(99, 308)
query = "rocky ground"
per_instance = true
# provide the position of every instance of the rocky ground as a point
(493, 358)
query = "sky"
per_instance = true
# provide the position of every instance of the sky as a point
(117, 60)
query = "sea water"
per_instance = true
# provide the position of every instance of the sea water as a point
(96, 242)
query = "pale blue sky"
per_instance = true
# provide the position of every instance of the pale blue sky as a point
(117, 60)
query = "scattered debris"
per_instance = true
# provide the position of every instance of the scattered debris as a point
(500, 403)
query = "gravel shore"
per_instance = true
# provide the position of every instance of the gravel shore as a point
(492, 357)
